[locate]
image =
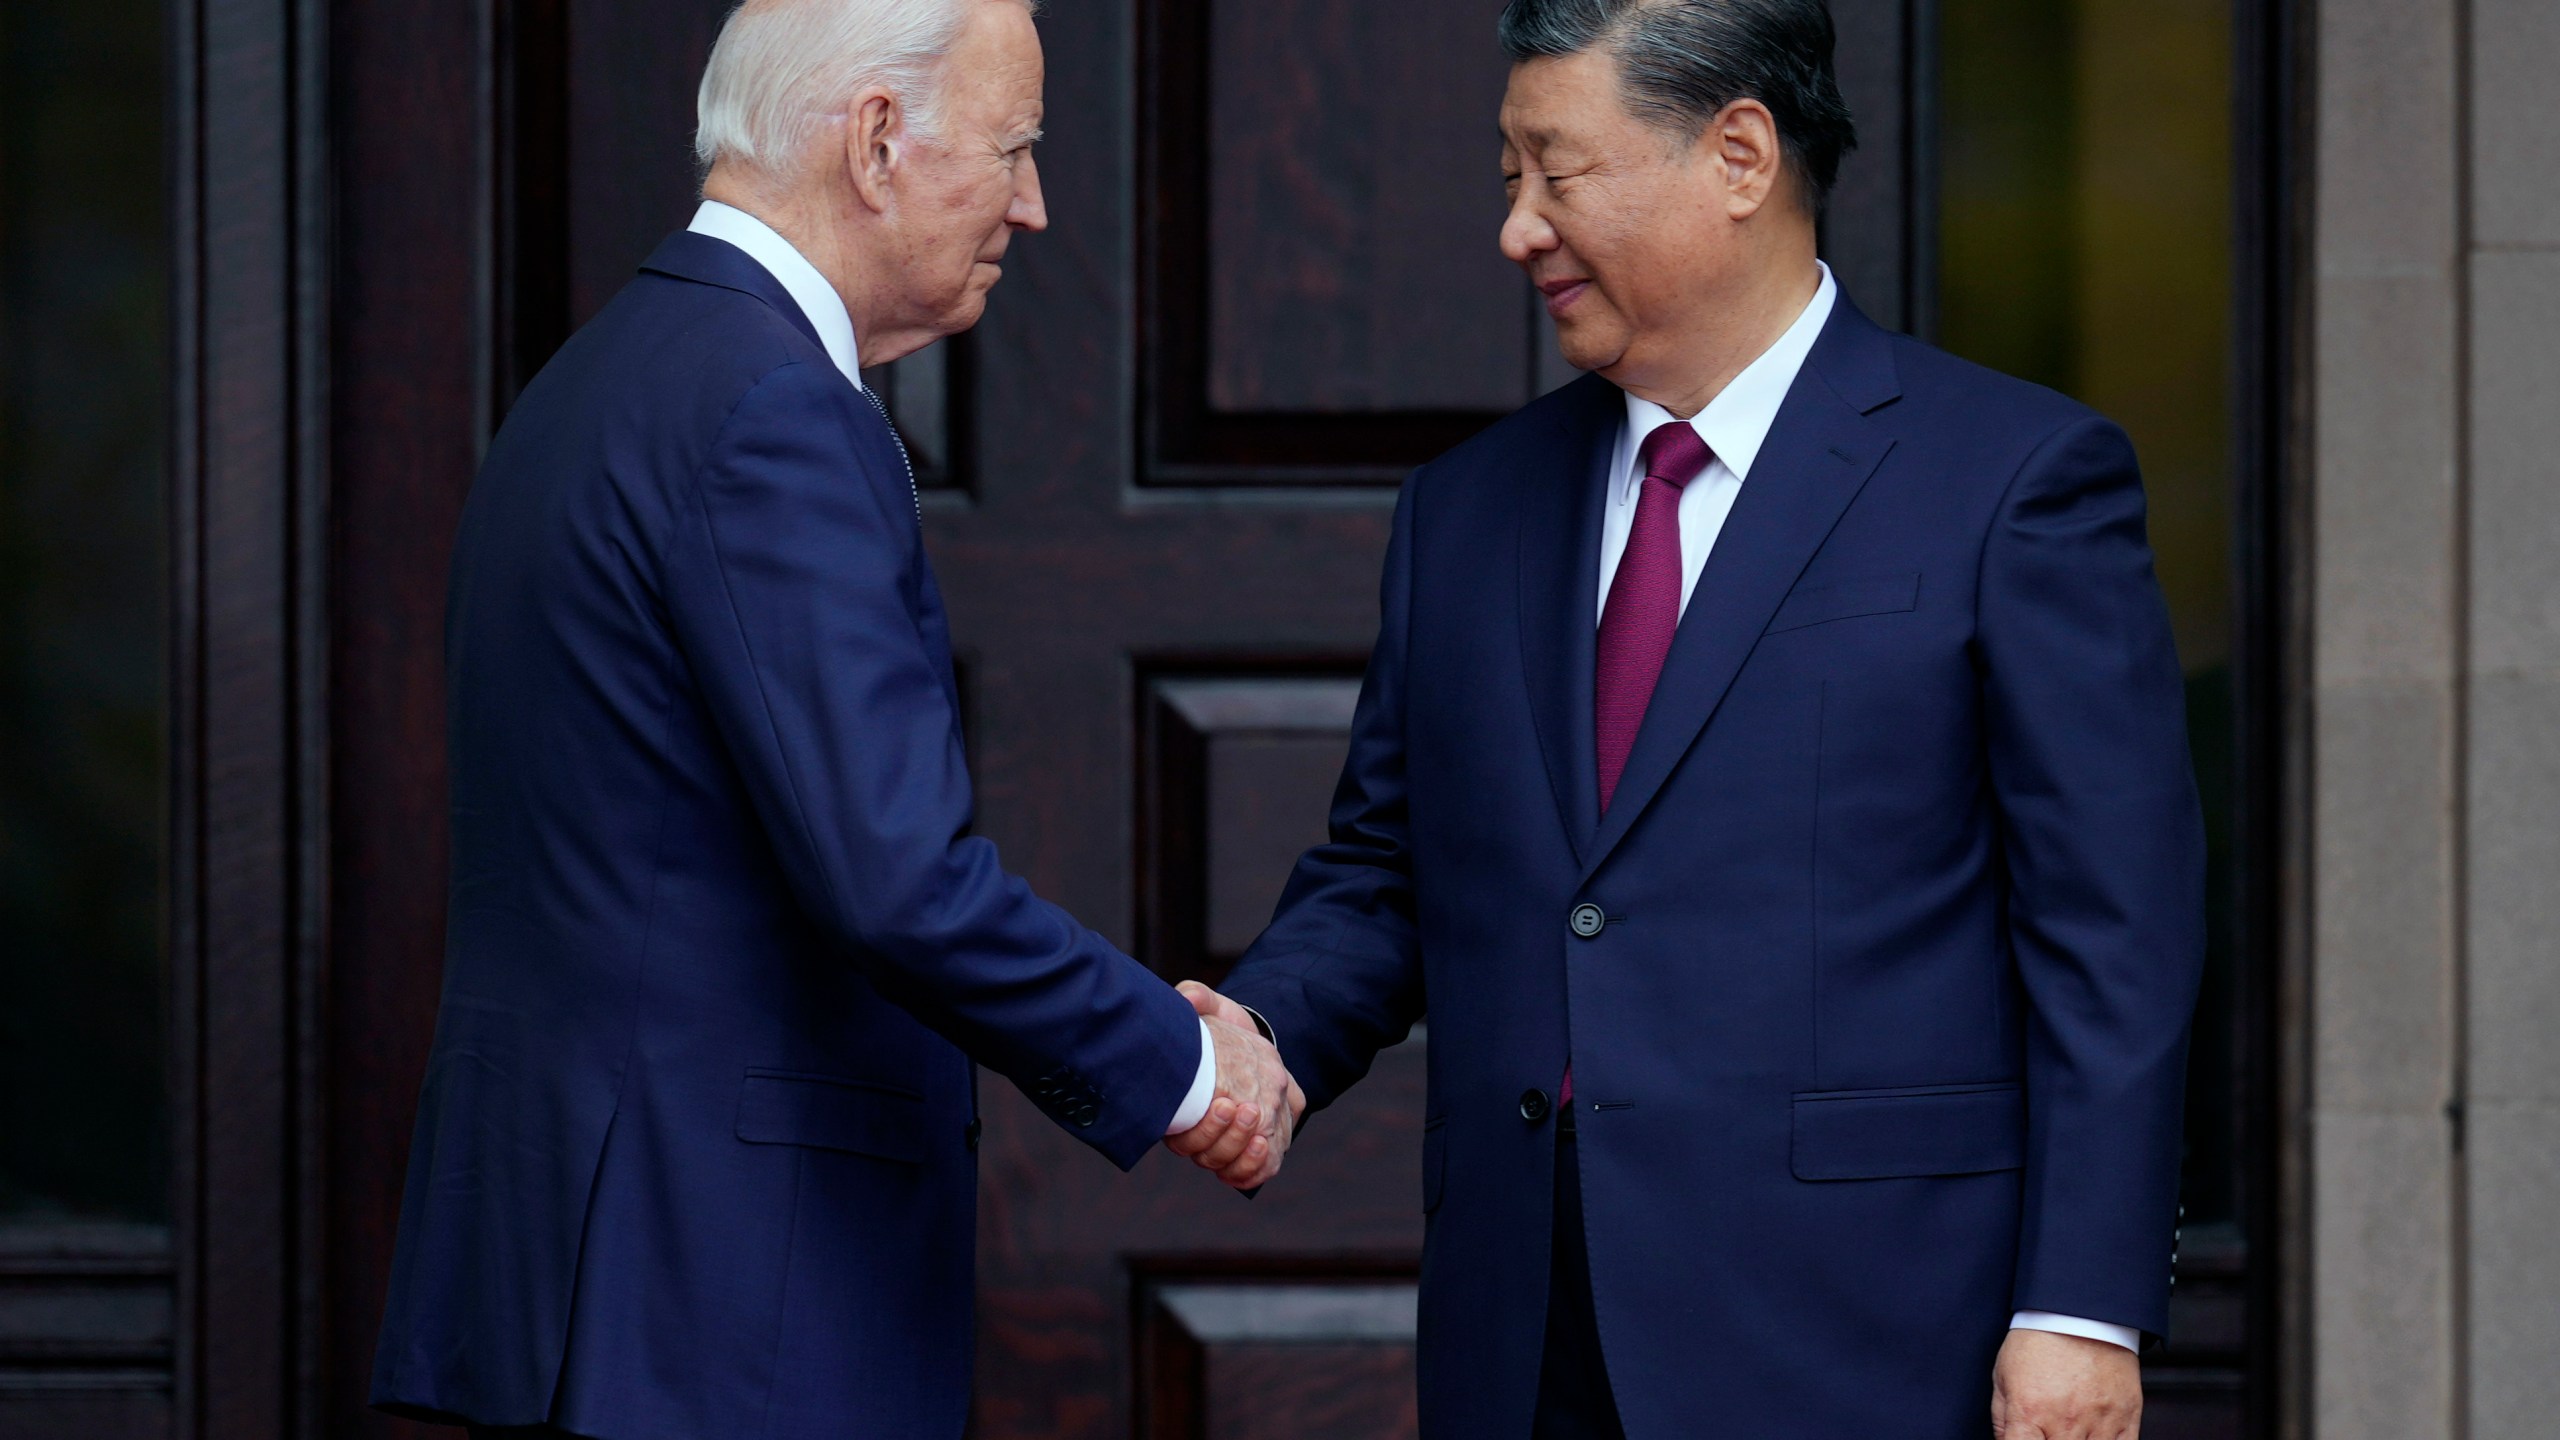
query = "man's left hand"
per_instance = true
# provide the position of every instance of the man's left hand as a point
(2061, 1387)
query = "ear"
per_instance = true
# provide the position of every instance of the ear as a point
(1745, 137)
(875, 147)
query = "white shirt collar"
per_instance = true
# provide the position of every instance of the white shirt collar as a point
(1737, 421)
(808, 289)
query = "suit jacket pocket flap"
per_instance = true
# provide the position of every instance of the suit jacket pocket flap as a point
(1847, 599)
(776, 1109)
(1879, 1134)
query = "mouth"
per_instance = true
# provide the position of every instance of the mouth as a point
(1561, 294)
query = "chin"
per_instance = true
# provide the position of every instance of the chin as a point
(966, 314)
(1584, 350)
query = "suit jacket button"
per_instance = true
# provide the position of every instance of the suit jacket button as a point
(1588, 922)
(1534, 1106)
(976, 1129)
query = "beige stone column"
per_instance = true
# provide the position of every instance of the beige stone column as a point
(2511, 820)
(2385, 636)
(2432, 966)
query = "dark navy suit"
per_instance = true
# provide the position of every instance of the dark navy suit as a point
(695, 1155)
(1878, 1015)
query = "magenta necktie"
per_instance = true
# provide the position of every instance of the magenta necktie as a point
(1643, 612)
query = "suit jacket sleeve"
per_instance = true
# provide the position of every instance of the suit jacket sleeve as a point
(2086, 744)
(1339, 974)
(793, 588)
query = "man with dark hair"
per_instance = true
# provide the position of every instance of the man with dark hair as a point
(1772, 769)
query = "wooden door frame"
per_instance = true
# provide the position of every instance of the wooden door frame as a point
(248, 804)
(2275, 130)
(317, 469)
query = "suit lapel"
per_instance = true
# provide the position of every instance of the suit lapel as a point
(1559, 552)
(1818, 456)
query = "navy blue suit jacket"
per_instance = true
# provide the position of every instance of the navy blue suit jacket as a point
(1884, 1033)
(695, 1154)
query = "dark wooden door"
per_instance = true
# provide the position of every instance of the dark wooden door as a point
(1160, 476)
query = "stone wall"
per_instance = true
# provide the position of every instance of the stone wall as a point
(2431, 964)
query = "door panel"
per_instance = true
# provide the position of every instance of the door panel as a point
(1233, 776)
(1347, 147)
(1226, 1361)
(1321, 299)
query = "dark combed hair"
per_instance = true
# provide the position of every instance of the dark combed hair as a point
(1682, 61)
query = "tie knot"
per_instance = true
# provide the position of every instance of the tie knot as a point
(1674, 455)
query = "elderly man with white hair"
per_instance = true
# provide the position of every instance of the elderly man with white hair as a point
(695, 1153)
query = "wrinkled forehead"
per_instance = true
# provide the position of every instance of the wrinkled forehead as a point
(997, 71)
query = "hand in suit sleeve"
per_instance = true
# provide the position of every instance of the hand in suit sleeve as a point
(1338, 974)
(2087, 751)
(793, 586)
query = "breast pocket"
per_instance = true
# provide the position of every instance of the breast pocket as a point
(775, 1108)
(1830, 600)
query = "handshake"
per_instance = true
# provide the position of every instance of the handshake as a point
(1246, 1133)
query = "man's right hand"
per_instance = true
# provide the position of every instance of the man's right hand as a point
(1245, 1136)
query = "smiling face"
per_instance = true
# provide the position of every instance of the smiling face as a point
(962, 195)
(1634, 238)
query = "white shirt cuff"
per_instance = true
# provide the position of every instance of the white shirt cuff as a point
(1204, 1087)
(2124, 1335)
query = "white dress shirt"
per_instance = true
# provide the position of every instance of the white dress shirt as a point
(782, 260)
(825, 310)
(1734, 425)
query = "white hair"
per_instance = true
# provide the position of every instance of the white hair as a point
(783, 68)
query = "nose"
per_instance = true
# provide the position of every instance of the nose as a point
(1526, 235)
(1030, 209)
